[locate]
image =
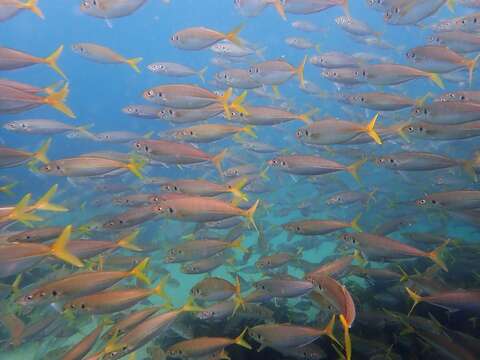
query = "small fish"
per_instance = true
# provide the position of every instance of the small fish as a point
(355, 26)
(110, 9)
(447, 112)
(284, 288)
(12, 157)
(198, 38)
(320, 227)
(11, 59)
(334, 60)
(288, 335)
(376, 247)
(334, 131)
(81, 349)
(276, 72)
(142, 111)
(11, 8)
(176, 70)
(18, 257)
(451, 300)
(237, 79)
(300, 43)
(451, 200)
(44, 127)
(252, 8)
(394, 74)
(206, 133)
(200, 249)
(413, 11)
(216, 289)
(312, 165)
(103, 55)
(204, 346)
(458, 41)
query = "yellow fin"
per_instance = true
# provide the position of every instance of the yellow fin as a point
(41, 154)
(416, 299)
(44, 202)
(59, 248)
(435, 255)
(437, 80)
(249, 131)
(126, 242)
(329, 330)
(370, 129)
(32, 6)
(51, 61)
(301, 72)
(7, 189)
(138, 271)
(56, 100)
(280, 9)
(237, 103)
(217, 160)
(237, 244)
(306, 117)
(347, 340)
(240, 341)
(250, 213)
(233, 35)
(134, 63)
(354, 224)
(236, 188)
(160, 288)
(353, 168)
(135, 167)
(471, 64)
(21, 212)
(276, 91)
(223, 100)
(451, 5)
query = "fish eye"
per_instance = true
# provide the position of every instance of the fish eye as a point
(462, 97)
(421, 202)
(298, 228)
(29, 297)
(149, 93)
(137, 145)
(170, 210)
(283, 163)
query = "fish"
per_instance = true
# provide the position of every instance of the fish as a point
(311, 165)
(18, 257)
(320, 227)
(204, 346)
(44, 127)
(81, 284)
(198, 38)
(451, 300)
(11, 59)
(382, 247)
(253, 8)
(276, 72)
(11, 8)
(394, 74)
(104, 55)
(10, 157)
(206, 133)
(176, 70)
(333, 131)
(206, 188)
(110, 9)
(82, 348)
(452, 200)
(200, 249)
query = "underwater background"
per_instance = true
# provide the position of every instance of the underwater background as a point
(387, 204)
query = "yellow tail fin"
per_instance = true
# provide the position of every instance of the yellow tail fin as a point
(263, 174)
(233, 35)
(21, 212)
(126, 242)
(353, 168)
(306, 117)
(451, 5)
(471, 64)
(240, 341)
(236, 188)
(59, 248)
(237, 244)
(237, 103)
(354, 224)
(250, 213)
(32, 6)
(135, 167)
(276, 91)
(437, 80)
(348, 342)
(190, 306)
(329, 330)
(280, 9)
(160, 288)
(416, 299)
(469, 167)
(44, 202)
(301, 72)
(134, 63)
(238, 300)
(249, 131)
(223, 100)
(41, 154)
(217, 160)
(201, 74)
(7, 189)
(138, 271)
(52, 61)
(435, 255)
(56, 99)
(370, 129)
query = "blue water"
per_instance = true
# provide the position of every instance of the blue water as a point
(98, 92)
